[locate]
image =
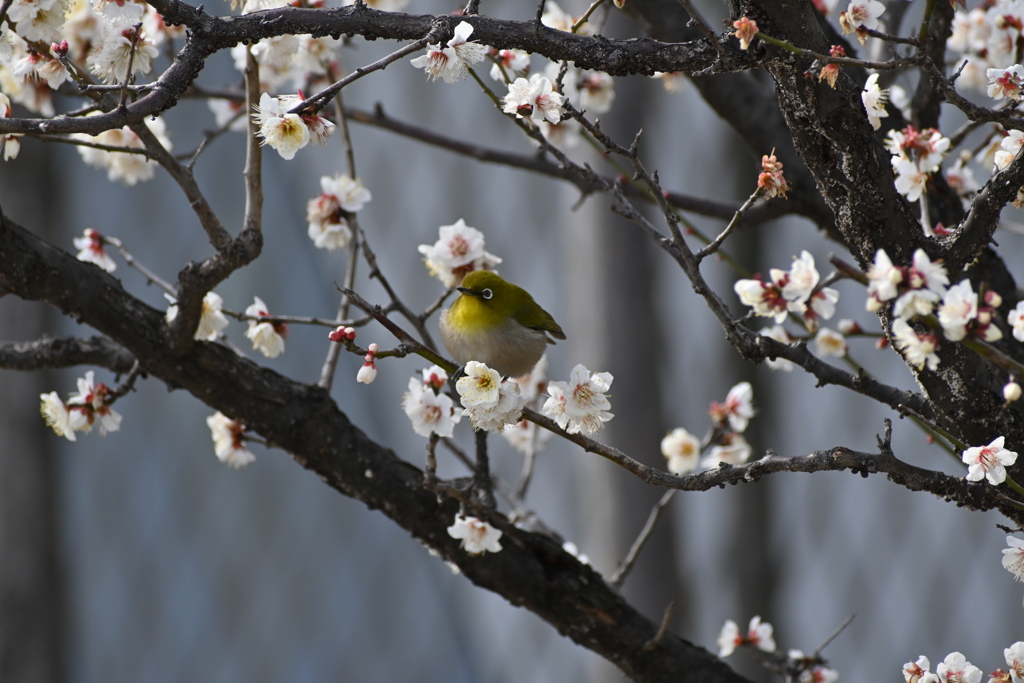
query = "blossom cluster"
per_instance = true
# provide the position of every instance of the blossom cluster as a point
(916, 155)
(430, 410)
(490, 402)
(90, 406)
(793, 291)
(580, 405)
(458, 251)
(918, 290)
(288, 132)
(525, 436)
(683, 450)
(127, 167)
(956, 669)
(761, 635)
(329, 214)
(100, 35)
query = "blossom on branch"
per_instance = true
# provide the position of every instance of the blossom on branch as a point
(875, 100)
(918, 350)
(830, 72)
(770, 182)
(91, 250)
(1006, 82)
(509, 62)
(490, 403)
(535, 99)
(287, 133)
(477, 536)
(830, 343)
(267, 337)
(10, 145)
(737, 409)
(759, 635)
(450, 63)
(458, 251)
(917, 672)
(682, 450)
(328, 215)
(1013, 557)
(211, 322)
(430, 411)
(124, 167)
(227, 441)
(580, 405)
(956, 669)
(989, 462)
(745, 31)
(861, 13)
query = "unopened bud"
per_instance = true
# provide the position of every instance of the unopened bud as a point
(1011, 392)
(619, 3)
(993, 299)
(373, 348)
(367, 373)
(60, 50)
(881, 343)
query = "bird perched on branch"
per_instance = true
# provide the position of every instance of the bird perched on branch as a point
(496, 323)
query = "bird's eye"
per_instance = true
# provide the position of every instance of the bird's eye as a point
(486, 294)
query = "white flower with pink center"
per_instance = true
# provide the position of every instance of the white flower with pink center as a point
(989, 462)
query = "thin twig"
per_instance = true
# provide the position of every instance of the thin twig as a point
(253, 152)
(698, 20)
(136, 32)
(586, 15)
(151, 277)
(839, 629)
(626, 565)
(666, 619)
(329, 92)
(717, 242)
(334, 350)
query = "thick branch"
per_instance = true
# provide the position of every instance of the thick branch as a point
(65, 352)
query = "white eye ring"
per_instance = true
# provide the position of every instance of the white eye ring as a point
(486, 294)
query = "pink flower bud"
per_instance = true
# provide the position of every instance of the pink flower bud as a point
(337, 336)
(848, 327)
(993, 299)
(373, 348)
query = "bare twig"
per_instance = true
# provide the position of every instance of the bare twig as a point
(835, 634)
(626, 565)
(136, 30)
(327, 93)
(151, 277)
(697, 20)
(253, 152)
(717, 242)
(666, 619)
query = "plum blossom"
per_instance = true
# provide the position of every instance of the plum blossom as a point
(737, 409)
(1013, 556)
(830, 343)
(874, 99)
(509, 61)
(451, 62)
(57, 415)
(267, 337)
(535, 99)
(287, 133)
(368, 371)
(958, 308)
(918, 350)
(1015, 660)
(956, 669)
(429, 411)
(746, 30)
(732, 449)
(92, 401)
(989, 462)
(1006, 82)
(490, 403)
(211, 322)
(9, 143)
(477, 536)
(779, 334)
(91, 250)
(917, 672)
(760, 635)
(458, 251)
(124, 167)
(328, 214)
(1016, 320)
(1009, 147)
(115, 53)
(771, 181)
(227, 441)
(682, 450)
(830, 72)
(926, 283)
(557, 18)
(580, 405)
(862, 13)
(911, 181)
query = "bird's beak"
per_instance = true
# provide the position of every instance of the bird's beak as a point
(466, 290)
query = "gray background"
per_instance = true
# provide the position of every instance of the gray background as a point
(174, 568)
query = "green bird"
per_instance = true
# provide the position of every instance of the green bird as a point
(496, 323)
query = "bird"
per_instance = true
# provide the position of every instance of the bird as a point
(496, 323)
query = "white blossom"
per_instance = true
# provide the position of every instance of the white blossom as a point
(267, 337)
(477, 536)
(874, 100)
(429, 412)
(451, 62)
(830, 343)
(779, 334)
(989, 462)
(91, 250)
(286, 133)
(917, 350)
(580, 405)
(458, 251)
(1013, 557)
(956, 669)
(211, 322)
(682, 450)
(227, 441)
(535, 99)
(490, 403)
(57, 415)
(959, 307)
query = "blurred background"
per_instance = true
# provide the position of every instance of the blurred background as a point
(139, 557)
